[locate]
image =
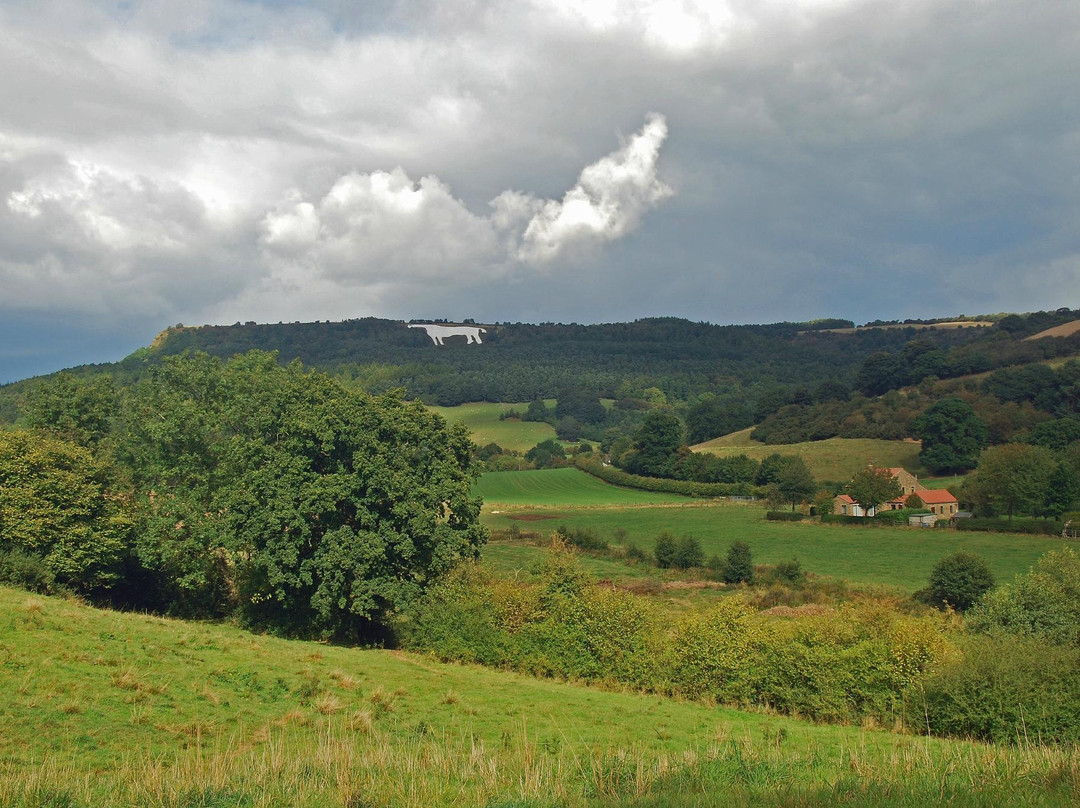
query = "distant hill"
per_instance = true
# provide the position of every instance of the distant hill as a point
(720, 378)
(520, 361)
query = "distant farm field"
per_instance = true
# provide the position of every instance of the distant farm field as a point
(565, 486)
(835, 459)
(900, 557)
(482, 420)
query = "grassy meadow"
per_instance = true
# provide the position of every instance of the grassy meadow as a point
(834, 459)
(110, 709)
(482, 420)
(565, 487)
(900, 557)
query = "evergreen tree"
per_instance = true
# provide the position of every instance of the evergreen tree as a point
(739, 565)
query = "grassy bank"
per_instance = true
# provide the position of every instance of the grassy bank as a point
(835, 459)
(109, 709)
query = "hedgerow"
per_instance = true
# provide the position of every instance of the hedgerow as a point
(842, 664)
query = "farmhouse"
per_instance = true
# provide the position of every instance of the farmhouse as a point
(939, 502)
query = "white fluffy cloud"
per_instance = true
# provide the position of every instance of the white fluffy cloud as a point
(383, 226)
(234, 159)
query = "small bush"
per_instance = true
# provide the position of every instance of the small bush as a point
(27, 571)
(665, 550)
(739, 564)
(688, 553)
(959, 580)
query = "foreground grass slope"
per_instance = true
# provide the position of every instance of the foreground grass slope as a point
(103, 708)
(835, 459)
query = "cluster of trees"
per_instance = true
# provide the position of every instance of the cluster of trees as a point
(1021, 479)
(241, 488)
(657, 448)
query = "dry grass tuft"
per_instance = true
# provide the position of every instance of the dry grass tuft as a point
(344, 680)
(361, 721)
(327, 704)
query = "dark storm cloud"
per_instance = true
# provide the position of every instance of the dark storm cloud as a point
(232, 160)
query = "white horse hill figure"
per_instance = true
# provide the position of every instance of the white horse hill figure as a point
(440, 332)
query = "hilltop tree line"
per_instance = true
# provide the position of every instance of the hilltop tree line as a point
(236, 488)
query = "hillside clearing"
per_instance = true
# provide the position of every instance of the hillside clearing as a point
(835, 459)
(482, 421)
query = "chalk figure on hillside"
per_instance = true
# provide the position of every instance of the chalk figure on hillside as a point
(440, 332)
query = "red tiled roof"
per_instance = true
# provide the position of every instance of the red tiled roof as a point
(845, 499)
(940, 496)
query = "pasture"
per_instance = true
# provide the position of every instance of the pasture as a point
(835, 459)
(482, 420)
(892, 556)
(565, 486)
(110, 709)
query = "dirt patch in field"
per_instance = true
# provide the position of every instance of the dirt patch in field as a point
(534, 517)
(692, 585)
(806, 610)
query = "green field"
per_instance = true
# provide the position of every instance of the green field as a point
(835, 459)
(483, 422)
(901, 557)
(565, 486)
(109, 709)
(540, 501)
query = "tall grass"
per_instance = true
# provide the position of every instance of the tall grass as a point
(335, 765)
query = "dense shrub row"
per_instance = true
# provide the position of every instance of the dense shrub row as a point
(845, 664)
(1043, 527)
(1004, 689)
(615, 476)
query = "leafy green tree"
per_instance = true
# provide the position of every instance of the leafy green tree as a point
(73, 408)
(1062, 490)
(1011, 479)
(739, 564)
(959, 580)
(656, 444)
(581, 404)
(546, 454)
(952, 436)
(537, 411)
(665, 549)
(1055, 434)
(56, 505)
(688, 553)
(1044, 602)
(795, 481)
(872, 486)
(310, 508)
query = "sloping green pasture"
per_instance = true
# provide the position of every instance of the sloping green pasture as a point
(565, 486)
(482, 420)
(900, 557)
(109, 709)
(835, 459)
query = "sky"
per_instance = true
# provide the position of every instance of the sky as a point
(732, 161)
